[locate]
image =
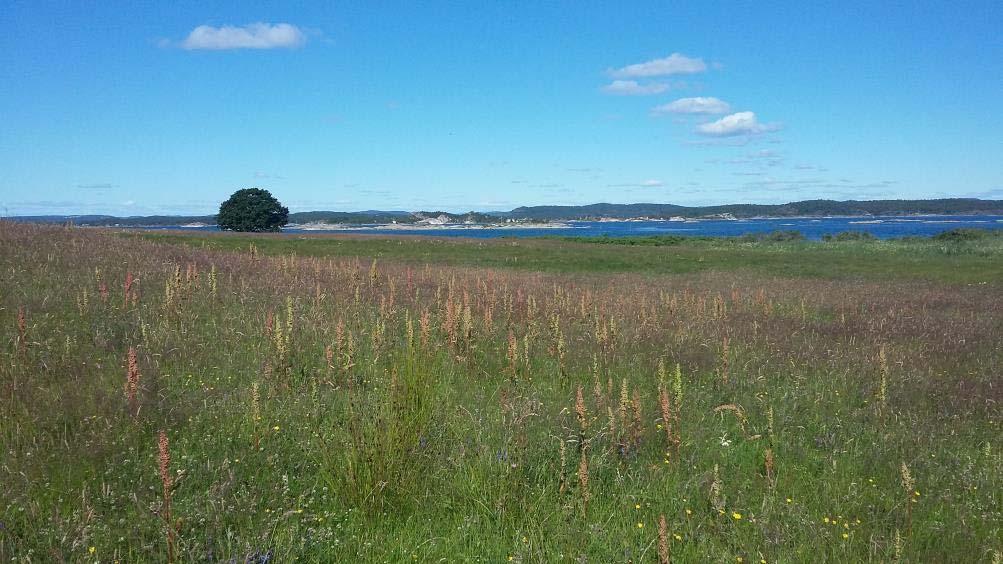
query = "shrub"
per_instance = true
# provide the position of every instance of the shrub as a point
(849, 236)
(966, 234)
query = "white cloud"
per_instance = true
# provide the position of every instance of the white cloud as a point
(632, 88)
(251, 36)
(698, 105)
(642, 184)
(675, 63)
(741, 123)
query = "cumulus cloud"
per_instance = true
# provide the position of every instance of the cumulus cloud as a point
(698, 105)
(675, 63)
(632, 88)
(251, 36)
(740, 123)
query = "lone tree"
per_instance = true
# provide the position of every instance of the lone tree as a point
(252, 209)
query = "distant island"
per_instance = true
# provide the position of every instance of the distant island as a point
(593, 212)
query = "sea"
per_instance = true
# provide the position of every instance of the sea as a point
(812, 228)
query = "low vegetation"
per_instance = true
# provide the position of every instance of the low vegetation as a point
(259, 398)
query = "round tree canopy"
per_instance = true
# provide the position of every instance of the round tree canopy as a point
(252, 209)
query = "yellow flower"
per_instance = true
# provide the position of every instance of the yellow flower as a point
(689, 511)
(511, 558)
(275, 428)
(637, 506)
(677, 537)
(736, 515)
(846, 536)
(916, 493)
(825, 520)
(525, 540)
(92, 550)
(640, 525)
(789, 500)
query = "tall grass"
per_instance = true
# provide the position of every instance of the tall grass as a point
(348, 408)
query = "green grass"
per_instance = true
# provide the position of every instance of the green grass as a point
(959, 262)
(409, 449)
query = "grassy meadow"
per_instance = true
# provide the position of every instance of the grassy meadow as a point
(236, 398)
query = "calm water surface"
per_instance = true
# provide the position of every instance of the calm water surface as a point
(812, 228)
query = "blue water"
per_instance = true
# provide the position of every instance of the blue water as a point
(812, 228)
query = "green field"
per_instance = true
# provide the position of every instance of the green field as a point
(338, 399)
(974, 261)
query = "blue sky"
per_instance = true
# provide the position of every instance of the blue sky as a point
(133, 109)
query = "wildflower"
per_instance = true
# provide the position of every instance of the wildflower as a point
(640, 525)
(789, 500)
(275, 428)
(677, 537)
(689, 511)
(825, 520)
(92, 550)
(637, 506)
(736, 515)
(846, 535)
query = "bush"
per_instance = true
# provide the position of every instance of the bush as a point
(252, 209)
(966, 234)
(773, 237)
(849, 236)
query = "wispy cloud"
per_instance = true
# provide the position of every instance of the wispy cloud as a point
(633, 88)
(268, 176)
(250, 36)
(675, 63)
(643, 184)
(740, 123)
(697, 105)
(97, 186)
